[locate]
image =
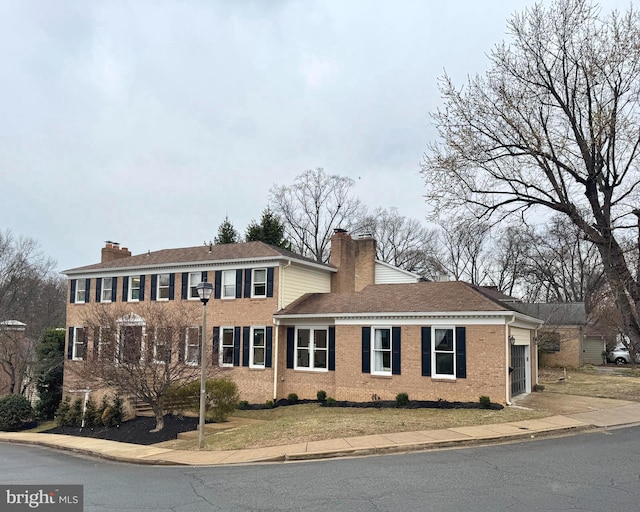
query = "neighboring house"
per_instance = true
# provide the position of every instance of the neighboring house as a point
(280, 323)
(16, 353)
(561, 340)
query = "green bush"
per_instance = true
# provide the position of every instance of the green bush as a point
(330, 401)
(222, 398)
(243, 404)
(269, 404)
(90, 413)
(63, 411)
(321, 396)
(183, 397)
(113, 414)
(292, 398)
(74, 416)
(485, 402)
(15, 411)
(402, 399)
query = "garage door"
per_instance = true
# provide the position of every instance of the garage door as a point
(592, 350)
(519, 373)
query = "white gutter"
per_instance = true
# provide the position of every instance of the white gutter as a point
(275, 360)
(506, 358)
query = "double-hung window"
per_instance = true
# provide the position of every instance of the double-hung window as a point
(257, 352)
(226, 346)
(381, 351)
(228, 284)
(79, 343)
(259, 281)
(162, 292)
(311, 348)
(130, 344)
(106, 347)
(81, 290)
(444, 356)
(194, 280)
(192, 348)
(107, 289)
(162, 344)
(134, 288)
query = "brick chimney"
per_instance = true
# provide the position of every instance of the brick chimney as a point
(355, 261)
(112, 251)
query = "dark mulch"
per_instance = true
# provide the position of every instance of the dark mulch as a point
(135, 431)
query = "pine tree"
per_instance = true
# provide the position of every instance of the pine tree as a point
(270, 230)
(227, 234)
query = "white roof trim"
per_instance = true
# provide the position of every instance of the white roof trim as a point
(398, 269)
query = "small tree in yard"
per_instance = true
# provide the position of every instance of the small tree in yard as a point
(553, 126)
(141, 355)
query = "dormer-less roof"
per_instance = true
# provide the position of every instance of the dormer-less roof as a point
(202, 254)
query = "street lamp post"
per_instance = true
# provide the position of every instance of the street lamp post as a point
(204, 292)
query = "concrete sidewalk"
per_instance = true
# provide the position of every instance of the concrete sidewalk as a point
(592, 413)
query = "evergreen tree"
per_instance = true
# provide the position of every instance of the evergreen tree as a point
(270, 230)
(227, 234)
(50, 360)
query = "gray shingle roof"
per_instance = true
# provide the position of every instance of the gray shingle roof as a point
(570, 313)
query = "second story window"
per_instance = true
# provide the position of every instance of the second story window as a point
(259, 283)
(229, 284)
(81, 290)
(194, 279)
(134, 288)
(163, 287)
(107, 289)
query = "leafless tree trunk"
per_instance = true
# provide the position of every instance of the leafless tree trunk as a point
(553, 124)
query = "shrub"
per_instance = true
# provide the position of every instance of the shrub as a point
(222, 398)
(15, 411)
(243, 404)
(183, 397)
(74, 416)
(63, 411)
(330, 401)
(269, 404)
(90, 413)
(292, 398)
(113, 414)
(402, 399)
(321, 396)
(485, 402)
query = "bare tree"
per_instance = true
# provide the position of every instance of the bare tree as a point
(16, 356)
(140, 354)
(311, 208)
(553, 124)
(509, 258)
(402, 242)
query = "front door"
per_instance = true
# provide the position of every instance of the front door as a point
(519, 373)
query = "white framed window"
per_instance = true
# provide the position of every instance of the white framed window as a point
(105, 343)
(312, 348)
(228, 284)
(107, 289)
(134, 288)
(258, 347)
(259, 282)
(162, 343)
(162, 293)
(130, 347)
(443, 355)
(381, 351)
(226, 346)
(194, 279)
(81, 290)
(79, 344)
(192, 347)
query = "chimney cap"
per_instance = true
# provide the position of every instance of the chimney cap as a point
(339, 230)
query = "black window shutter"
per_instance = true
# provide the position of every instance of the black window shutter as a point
(236, 346)
(114, 289)
(185, 285)
(215, 346)
(366, 350)
(125, 288)
(142, 282)
(270, 282)
(426, 351)
(217, 286)
(461, 353)
(247, 283)
(85, 344)
(268, 347)
(172, 285)
(205, 276)
(72, 295)
(291, 332)
(246, 335)
(70, 344)
(96, 341)
(395, 350)
(182, 340)
(154, 286)
(87, 290)
(238, 284)
(98, 288)
(332, 348)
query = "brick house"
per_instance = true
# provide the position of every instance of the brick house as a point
(281, 323)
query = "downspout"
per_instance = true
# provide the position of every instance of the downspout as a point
(507, 360)
(277, 328)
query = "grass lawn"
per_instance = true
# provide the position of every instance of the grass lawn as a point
(621, 383)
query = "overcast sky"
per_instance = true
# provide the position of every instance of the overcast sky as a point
(146, 122)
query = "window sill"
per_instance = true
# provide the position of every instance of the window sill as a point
(312, 370)
(441, 378)
(382, 375)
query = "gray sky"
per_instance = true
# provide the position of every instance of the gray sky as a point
(146, 122)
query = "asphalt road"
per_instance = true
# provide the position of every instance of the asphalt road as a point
(596, 471)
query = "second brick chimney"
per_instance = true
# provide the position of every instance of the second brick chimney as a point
(355, 261)
(112, 251)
